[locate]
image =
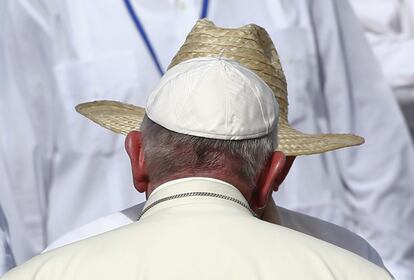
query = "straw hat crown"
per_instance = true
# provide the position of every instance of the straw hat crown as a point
(249, 45)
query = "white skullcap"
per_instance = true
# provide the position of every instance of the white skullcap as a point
(214, 98)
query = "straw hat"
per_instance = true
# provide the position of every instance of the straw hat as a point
(249, 45)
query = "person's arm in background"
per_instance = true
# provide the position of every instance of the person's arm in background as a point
(26, 122)
(389, 27)
(379, 175)
(396, 56)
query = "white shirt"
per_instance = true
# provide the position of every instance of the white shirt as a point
(389, 27)
(199, 237)
(60, 163)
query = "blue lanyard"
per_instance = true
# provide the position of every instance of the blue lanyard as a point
(141, 30)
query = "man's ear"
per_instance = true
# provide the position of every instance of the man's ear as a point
(135, 151)
(268, 178)
(288, 164)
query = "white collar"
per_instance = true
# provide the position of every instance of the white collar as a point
(187, 179)
(193, 190)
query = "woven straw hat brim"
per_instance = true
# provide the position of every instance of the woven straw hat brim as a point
(123, 118)
(295, 143)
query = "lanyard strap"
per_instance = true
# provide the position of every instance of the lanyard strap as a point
(144, 36)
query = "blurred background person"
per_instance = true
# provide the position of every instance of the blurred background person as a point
(6, 256)
(389, 27)
(61, 53)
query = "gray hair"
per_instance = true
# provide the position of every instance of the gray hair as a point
(167, 152)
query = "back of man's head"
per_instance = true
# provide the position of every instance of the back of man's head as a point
(170, 154)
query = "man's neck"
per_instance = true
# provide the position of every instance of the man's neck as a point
(222, 176)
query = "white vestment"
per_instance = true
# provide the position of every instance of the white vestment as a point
(199, 237)
(317, 228)
(60, 53)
